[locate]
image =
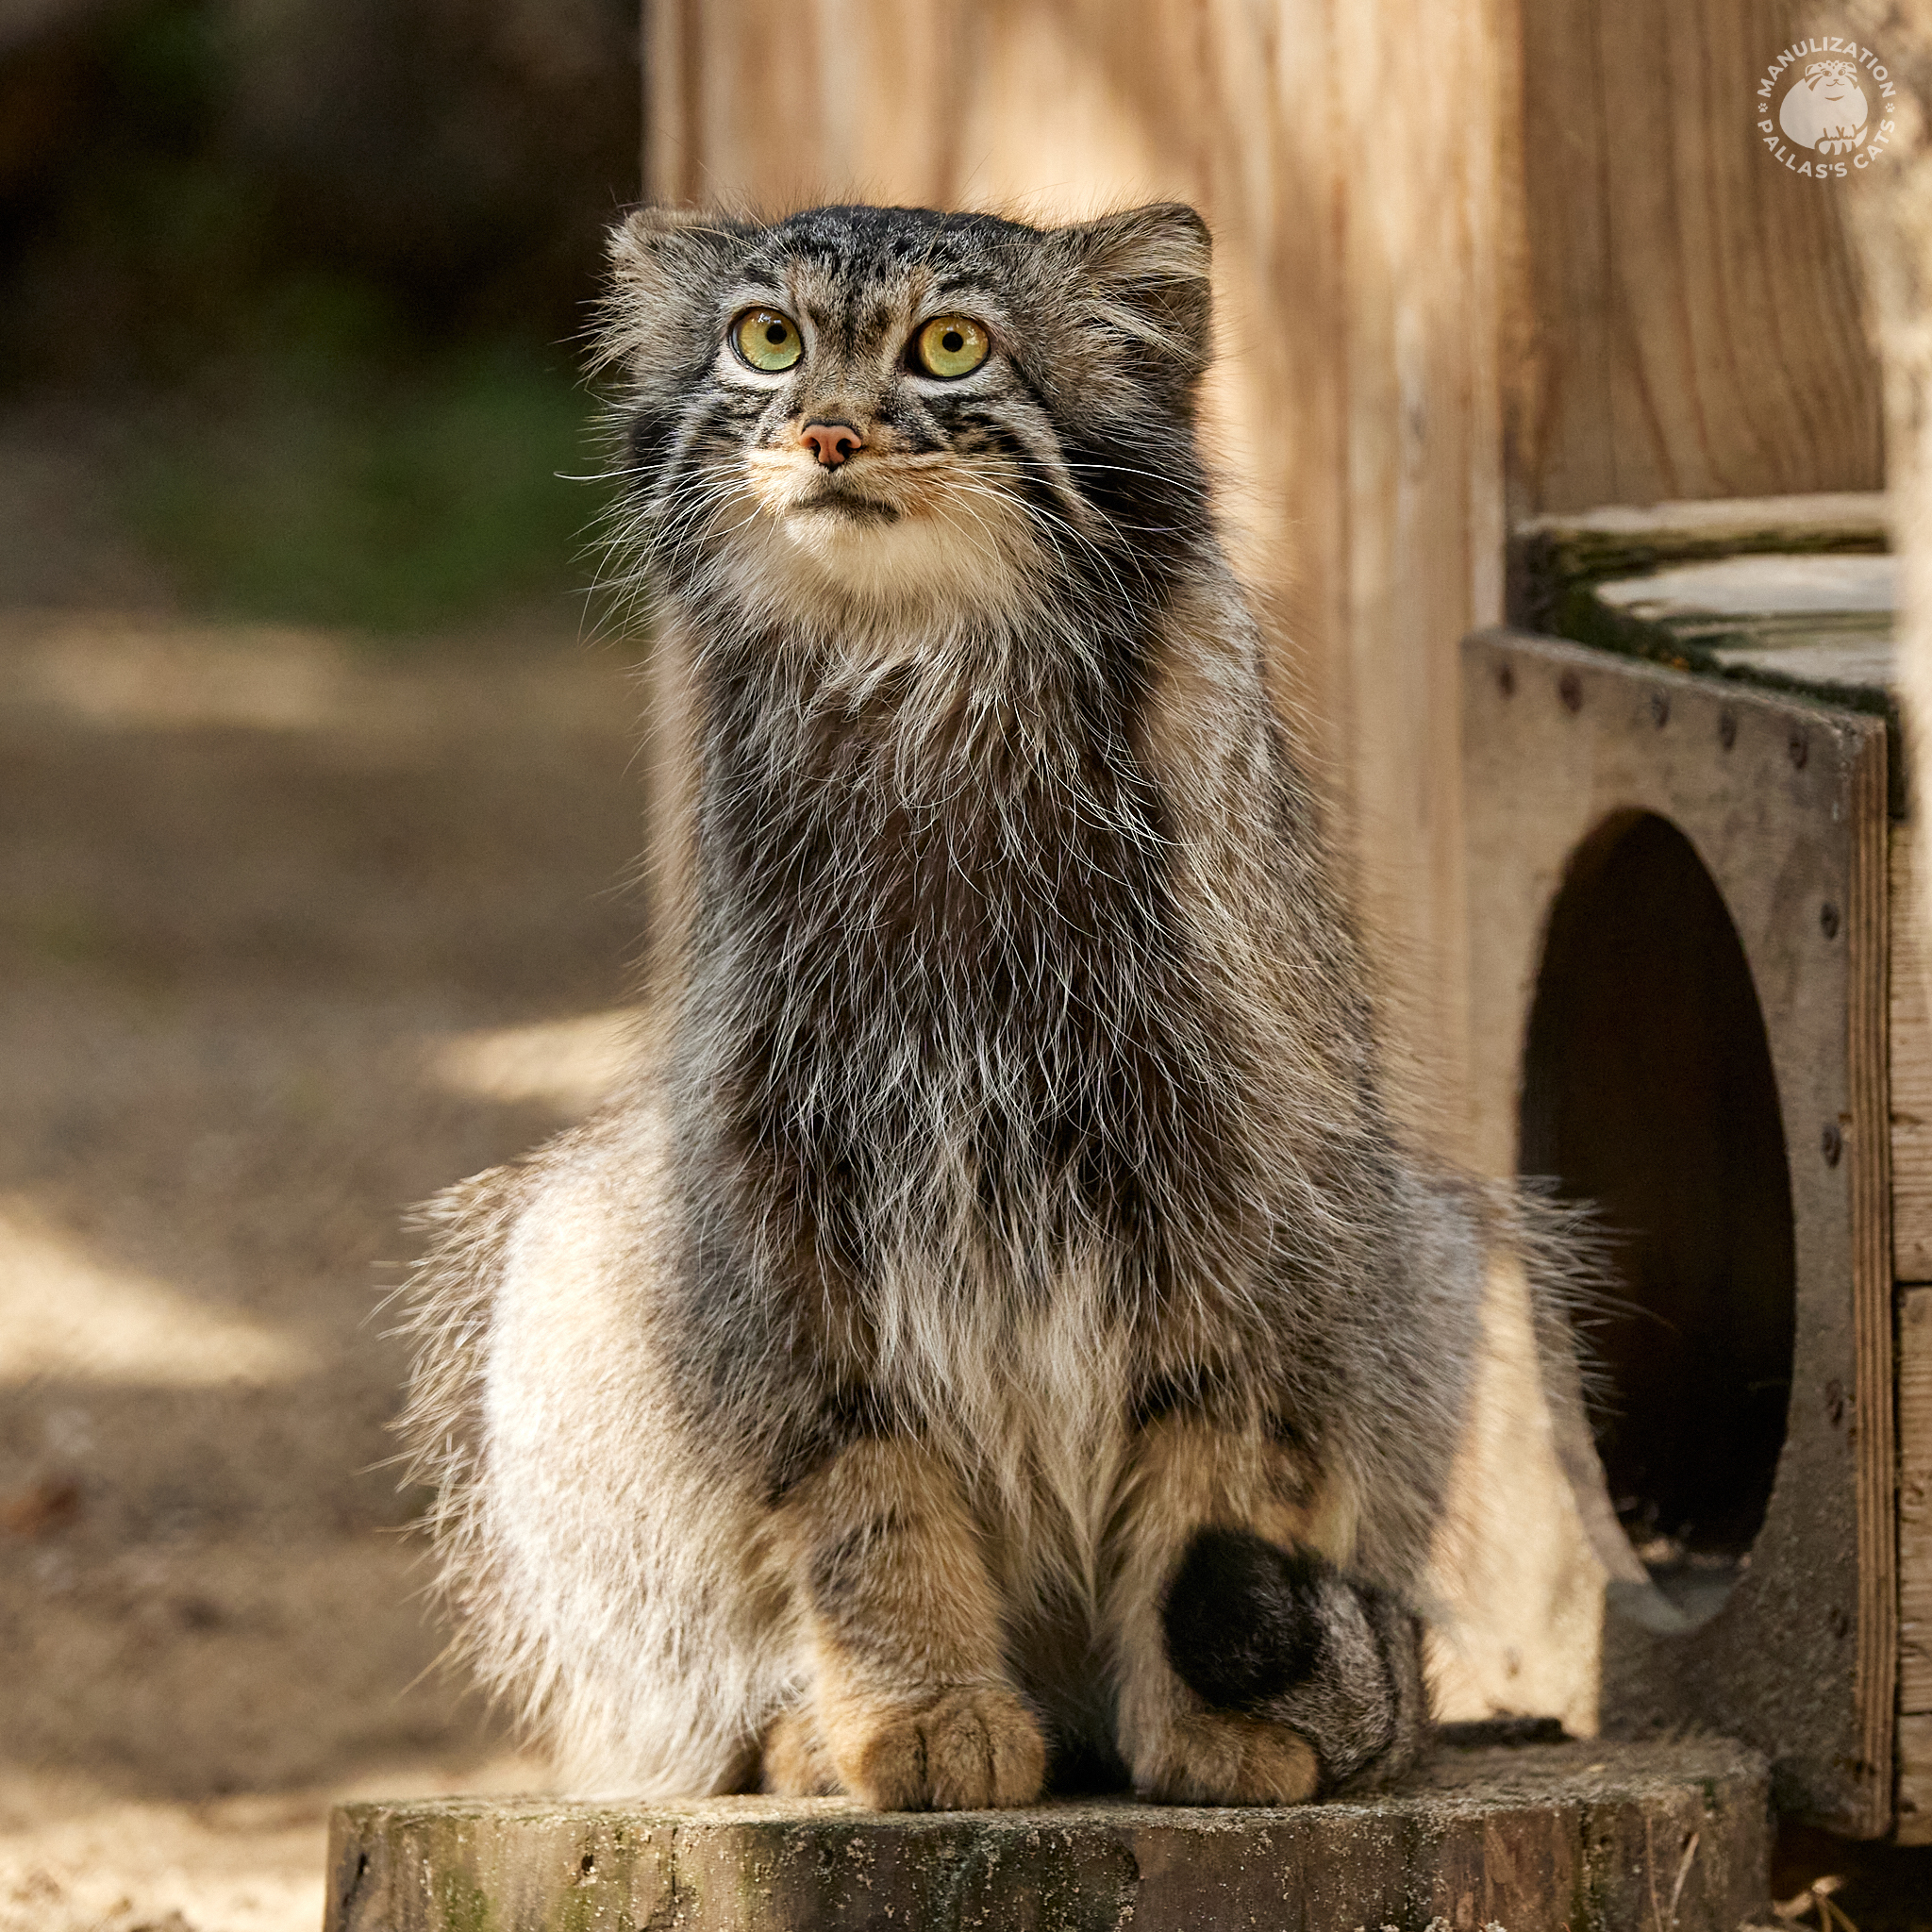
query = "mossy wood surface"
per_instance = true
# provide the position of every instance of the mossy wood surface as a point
(1792, 594)
(1581, 1836)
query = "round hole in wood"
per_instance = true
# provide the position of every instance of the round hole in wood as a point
(1648, 1091)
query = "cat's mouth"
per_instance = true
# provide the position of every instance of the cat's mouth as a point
(841, 500)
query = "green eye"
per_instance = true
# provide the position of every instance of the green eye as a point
(950, 345)
(767, 340)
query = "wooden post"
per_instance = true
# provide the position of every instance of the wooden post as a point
(1893, 224)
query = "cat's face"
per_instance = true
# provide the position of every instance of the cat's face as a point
(877, 411)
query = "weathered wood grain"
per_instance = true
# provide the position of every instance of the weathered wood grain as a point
(1696, 327)
(1615, 538)
(1912, 1076)
(1867, 946)
(1915, 1512)
(1595, 1838)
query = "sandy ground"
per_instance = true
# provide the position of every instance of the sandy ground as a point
(291, 935)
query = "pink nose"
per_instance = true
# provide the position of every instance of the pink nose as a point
(831, 442)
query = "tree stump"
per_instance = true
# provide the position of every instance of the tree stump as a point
(1585, 1835)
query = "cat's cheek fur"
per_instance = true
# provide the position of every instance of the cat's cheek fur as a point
(921, 560)
(953, 552)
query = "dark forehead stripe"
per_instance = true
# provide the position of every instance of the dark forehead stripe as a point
(958, 284)
(891, 237)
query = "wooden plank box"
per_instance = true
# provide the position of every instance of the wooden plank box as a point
(1697, 1003)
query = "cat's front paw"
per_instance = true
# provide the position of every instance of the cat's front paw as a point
(959, 1751)
(1221, 1757)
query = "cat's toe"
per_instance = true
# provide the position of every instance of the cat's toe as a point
(961, 1751)
(1217, 1758)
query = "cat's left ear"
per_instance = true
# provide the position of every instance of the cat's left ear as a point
(1147, 270)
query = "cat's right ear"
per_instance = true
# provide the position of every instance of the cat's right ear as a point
(665, 264)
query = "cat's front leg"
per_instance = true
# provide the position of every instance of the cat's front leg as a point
(1251, 1671)
(911, 1707)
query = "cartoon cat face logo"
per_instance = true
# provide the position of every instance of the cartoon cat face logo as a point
(1826, 109)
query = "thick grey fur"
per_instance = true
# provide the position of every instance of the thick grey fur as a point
(1013, 1085)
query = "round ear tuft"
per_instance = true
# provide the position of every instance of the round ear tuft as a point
(1147, 269)
(664, 261)
(1165, 240)
(655, 233)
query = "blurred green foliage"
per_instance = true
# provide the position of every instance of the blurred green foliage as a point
(326, 263)
(338, 488)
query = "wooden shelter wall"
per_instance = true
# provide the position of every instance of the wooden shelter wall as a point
(1693, 326)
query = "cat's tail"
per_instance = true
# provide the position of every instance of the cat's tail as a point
(1526, 1528)
(1567, 1258)
(1281, 1634)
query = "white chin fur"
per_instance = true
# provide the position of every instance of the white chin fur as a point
(956, 552)
(917, 559)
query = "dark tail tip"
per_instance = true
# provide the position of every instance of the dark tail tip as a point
(1242, 1620)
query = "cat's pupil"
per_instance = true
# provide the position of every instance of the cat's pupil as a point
(775, 332)
(952, 341)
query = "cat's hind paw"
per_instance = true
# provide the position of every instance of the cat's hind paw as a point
(1221, 1757)
(959, 1751)
(791, 1759)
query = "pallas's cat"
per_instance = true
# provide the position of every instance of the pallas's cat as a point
(998, 1336)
